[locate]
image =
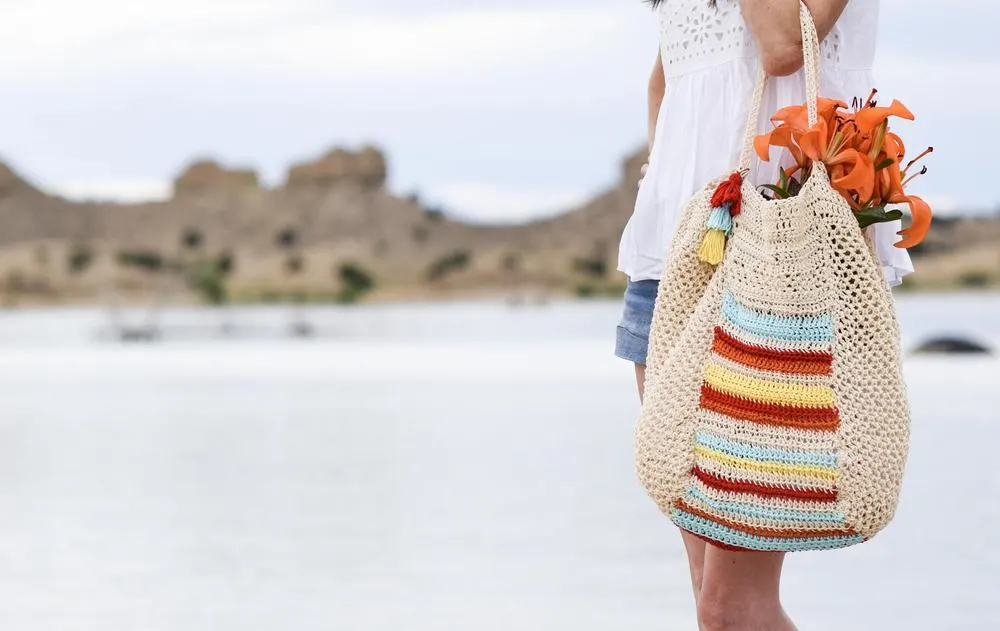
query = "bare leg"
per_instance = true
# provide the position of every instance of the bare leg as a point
(741, 592)
(695, 547)
(640, 380)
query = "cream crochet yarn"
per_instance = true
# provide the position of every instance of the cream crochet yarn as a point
(775, 414)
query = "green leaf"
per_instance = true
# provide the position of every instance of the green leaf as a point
(783, 179)
(779, 193)
(794, 187)
(885, 164)
(876, 214)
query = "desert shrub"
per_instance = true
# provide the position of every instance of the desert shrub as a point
(294, 264)
(287, 238)
(354, 276)
(511, 262)
(355, 282)
(225, 263)
(457, 260)
(975, 278)
(209, 282)
(141, 259)
(191, 238)
(592, 267)
(79, 259)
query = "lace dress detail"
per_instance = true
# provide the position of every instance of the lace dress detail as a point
(695, 35)
(710, 61)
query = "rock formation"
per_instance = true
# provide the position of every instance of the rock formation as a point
(52, 249)
(366, 169)
(10, 181)
(208, 176)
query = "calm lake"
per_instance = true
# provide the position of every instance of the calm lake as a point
(461, 467)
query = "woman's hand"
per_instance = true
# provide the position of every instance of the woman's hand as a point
(775, 25)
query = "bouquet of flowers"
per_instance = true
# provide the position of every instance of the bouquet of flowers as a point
(863, 157)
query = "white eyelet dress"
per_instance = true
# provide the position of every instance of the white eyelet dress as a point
(711, 62)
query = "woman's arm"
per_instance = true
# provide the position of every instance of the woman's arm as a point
(657, 85)
(775, 26)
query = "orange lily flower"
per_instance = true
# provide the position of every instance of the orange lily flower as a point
(868, 118)
(920, 212)
(863, 157)
(783, 137)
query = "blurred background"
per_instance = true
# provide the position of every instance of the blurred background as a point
(308, 314)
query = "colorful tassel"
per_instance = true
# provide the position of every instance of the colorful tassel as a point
(727, 202)
(730, 192)
(712, 247)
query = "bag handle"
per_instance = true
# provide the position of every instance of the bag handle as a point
(810, 56)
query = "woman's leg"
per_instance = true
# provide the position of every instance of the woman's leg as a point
(740, 592)
(695, 547)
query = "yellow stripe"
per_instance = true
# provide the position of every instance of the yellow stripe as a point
(766, 466)
(763, 390)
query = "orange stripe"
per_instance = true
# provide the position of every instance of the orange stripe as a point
(777, 353)
(736, 351)
(820, 419)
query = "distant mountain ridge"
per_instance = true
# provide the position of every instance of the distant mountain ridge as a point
(329, 214)
(336, 211)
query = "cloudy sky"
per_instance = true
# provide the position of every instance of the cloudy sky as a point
(497, 109)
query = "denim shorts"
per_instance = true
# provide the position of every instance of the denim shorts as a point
(633, 330)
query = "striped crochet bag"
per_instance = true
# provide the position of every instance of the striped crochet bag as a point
(775, 415)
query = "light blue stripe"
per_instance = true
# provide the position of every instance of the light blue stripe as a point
(720, 219)
(831, 518)
(728, 536)
(743, 450)
(793, 328)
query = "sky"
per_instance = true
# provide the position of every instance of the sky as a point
(497, 110)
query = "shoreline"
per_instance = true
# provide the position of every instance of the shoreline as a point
(512, 297)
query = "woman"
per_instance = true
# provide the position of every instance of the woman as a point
(699, 97)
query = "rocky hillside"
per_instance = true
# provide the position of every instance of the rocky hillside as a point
(331, 227)
(295, 239)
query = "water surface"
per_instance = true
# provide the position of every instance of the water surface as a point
(421, 468)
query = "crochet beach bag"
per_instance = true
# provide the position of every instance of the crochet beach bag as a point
(775, 415)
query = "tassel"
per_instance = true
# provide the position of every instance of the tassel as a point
(727, 202)
(712, 247)
(730, 192)
(720, 219)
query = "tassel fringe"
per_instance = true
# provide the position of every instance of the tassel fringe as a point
(712, 247)
(720, 219)
(727, 202)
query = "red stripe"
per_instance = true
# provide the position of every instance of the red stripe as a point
(775, 353)
(820, 419)
(764, 490)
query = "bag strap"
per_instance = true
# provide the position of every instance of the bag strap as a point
(810, 56)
